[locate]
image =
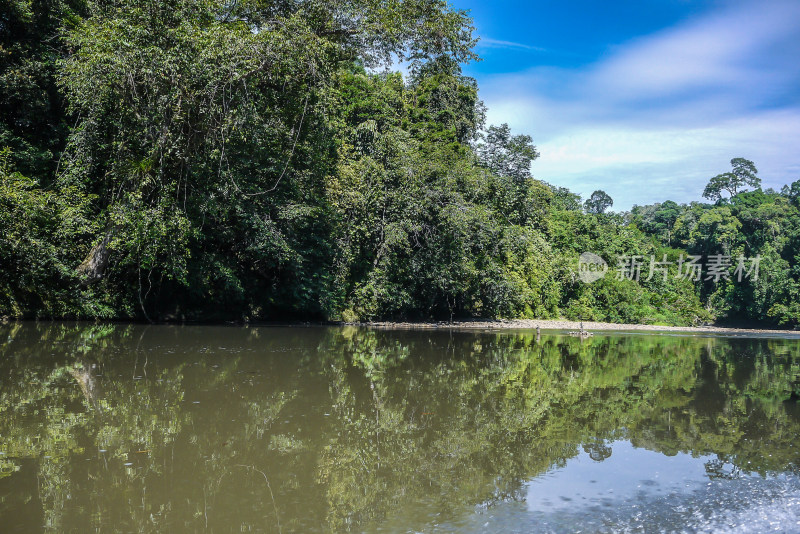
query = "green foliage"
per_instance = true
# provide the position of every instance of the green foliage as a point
(505, 154)
(32, 114)
(38, 229)
(750, 224)
(657, 219)
(598, 203)
(743, 173)
(792, 192)
(201, 160)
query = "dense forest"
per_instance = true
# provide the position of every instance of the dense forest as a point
(258, 159)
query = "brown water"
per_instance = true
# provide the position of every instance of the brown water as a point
(229, 429)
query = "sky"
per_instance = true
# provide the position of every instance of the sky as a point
(645, 99)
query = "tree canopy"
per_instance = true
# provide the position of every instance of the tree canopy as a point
(743, 174)
(598, 202)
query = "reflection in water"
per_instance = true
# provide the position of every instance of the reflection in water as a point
(638, 474)
(318, 429)
(83, 373)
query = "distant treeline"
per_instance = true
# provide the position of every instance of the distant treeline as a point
(253, 160)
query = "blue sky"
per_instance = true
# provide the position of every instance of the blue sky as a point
(646, 99)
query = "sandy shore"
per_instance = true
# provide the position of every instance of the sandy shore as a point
(563, 325)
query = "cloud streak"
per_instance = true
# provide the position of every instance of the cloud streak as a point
(487, 42)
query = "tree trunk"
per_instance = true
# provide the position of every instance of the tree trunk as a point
(94, 266)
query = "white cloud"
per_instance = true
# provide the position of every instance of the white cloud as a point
(660, 115)
(638, 166)
(719, 52)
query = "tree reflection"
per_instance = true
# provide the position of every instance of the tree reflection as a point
(597, 450)
(336, 429)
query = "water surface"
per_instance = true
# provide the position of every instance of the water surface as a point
(233, 429)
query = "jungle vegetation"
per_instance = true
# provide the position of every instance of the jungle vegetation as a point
(258, 159)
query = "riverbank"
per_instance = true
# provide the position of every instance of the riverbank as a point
(558, 324)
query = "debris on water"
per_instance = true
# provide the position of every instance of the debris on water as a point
(581, 333)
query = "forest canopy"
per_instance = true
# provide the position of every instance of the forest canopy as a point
(257, 160)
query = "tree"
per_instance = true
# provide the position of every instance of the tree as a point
(792, 192)
(196, 115)
(743, 173)
(598, 203)
(667, 213)
(505, 154)
(36, 278)
(657, 219)
(565, 199)
(32, 114)
(716, 231)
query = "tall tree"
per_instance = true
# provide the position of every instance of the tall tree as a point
(505, 154)
(598, 203)
(743, 173)
(792, 192)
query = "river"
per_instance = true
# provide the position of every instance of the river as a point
(136, 428)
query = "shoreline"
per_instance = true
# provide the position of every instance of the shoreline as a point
(561, 326)
(565, 325)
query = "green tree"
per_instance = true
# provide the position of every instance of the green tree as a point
(658, 219)
(792, 192)
(199, 115)
(598, 202)
(505, 154)
(38, 229)
(33, 121)
(743, 174)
